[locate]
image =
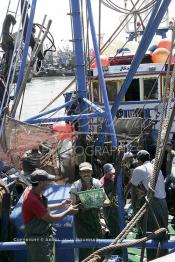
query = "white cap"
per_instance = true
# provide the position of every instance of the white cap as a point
(85, 166)
(127, 155)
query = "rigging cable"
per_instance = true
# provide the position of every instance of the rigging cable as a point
(73, 81)
(32, 61)
(6, 14)
(162, 140)
(99, 26)
(50, 38)
(64, 89)
(10, 78)
(16, 12)
(119, 9)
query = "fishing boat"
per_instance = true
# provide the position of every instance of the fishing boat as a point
(54, 71)
(117, 102)
(139, 110)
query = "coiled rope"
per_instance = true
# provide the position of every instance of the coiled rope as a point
(165, 127)
(96, 256)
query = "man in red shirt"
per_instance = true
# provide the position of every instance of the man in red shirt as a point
(38, 219)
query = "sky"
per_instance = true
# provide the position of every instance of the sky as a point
(61, 27)
(57, 11)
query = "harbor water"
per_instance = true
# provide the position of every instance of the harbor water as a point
(40, 91)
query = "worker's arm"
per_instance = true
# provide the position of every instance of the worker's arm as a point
(127, 190)
(73, 198)
(134, 194)
(74, 194)
(106, 201)
(63, 204)
(52, 218)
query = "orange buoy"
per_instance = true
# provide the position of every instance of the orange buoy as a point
(160, 55)
(104, 60)
(63, 130)
(165, 43)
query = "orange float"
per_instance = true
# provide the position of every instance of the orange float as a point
(63, 130)
(104, 60)
(165, 43)
(160, 55)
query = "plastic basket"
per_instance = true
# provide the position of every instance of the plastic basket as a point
(93, 198)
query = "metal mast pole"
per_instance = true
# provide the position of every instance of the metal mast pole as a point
(80, 62)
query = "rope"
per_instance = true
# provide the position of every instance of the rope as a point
(47, 157)
(153, 181)
(5, 15)
(154, 178)
(168, 75)
(52, 152)
(13, 64)
(163, 122)
(35, 51)
(112, 247)
(99, 25)
(32, 60)
(102, 50)
(16, 13)
(22, 102)
(141, 212)
(49, 37)
(119, 9)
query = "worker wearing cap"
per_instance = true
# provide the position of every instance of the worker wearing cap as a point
(38, 219)
(127, 164)
(166, 168)
(31, 160)
(110, 212)
(87, 221)
(168, 160)
(140, 183)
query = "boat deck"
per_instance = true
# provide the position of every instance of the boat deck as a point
(169, 258)
(134, 253)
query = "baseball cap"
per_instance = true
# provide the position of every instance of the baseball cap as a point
(127, 155)
(85, 166)
(41, 175)
(143, 155)
(108, 168)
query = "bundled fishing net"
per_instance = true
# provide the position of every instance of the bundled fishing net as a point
(18, 137)
(128, 126)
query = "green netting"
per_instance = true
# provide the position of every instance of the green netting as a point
(93, 198)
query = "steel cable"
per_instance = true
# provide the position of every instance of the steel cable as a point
(107, 43)
(120, 9)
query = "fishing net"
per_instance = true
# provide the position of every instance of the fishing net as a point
(128, 126)
(18, 137)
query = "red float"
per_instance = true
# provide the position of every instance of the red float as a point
(104, 61)
(63, 130)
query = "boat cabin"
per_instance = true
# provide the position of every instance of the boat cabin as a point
(141, 103)
(146, 86)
